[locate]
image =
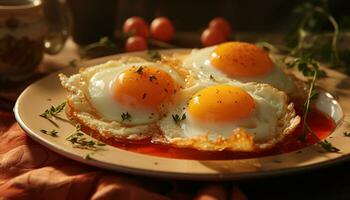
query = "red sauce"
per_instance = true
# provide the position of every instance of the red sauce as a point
(320, 124)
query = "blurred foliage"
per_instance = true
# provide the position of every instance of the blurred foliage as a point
(316, 32)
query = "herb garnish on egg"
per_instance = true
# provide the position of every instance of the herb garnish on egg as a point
(177, 117)
(139, 70)
(126, 116)
(152, 77)
(212, 77)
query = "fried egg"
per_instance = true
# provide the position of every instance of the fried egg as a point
(239, 61)
(122, 98)
(139, 90)
(232, 116)
(134, 99)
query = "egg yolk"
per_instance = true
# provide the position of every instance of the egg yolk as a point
(143, 87)
(240, 59)
(222, 103)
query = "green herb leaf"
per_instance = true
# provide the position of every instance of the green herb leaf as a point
(73, 63)
(154, 55)
(328, 146)
(152, 77)
(79, 141)
(126, 116)
(103, 42)
(139, 70)
(301, 38)
(177, 117)
(212, 77)
(314, 94)
(347, 134)
(89, 156)
(307, 66)
(53, 111)
(52, 133)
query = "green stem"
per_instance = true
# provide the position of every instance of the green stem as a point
(301, 36)
(161, 44)
(335, 32)
(307, 103)
(335, 38)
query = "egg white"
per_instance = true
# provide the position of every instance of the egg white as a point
(199, 61)
(272, 116)
(101, 92)
(85, 111)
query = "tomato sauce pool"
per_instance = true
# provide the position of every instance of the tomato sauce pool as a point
(321, 124)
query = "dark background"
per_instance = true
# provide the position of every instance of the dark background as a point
(195, 15)
(252, 15)
(93, 19)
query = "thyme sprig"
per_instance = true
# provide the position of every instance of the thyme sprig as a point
(53, 111)
(309, 67)
(125, 116)
(312, 13)
(311, 95)
(79, 141)
(52, 133)
(306, 65)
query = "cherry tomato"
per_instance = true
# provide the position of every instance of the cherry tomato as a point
(136, 26)
(211, 37)
(135, 43)
(162, 29)
(221, 24)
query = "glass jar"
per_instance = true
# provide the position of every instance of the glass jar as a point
(25, 35)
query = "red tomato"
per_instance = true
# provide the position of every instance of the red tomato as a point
(135, 43)
(136, 26)
(221, 24)
(211, 37)
(162, 29)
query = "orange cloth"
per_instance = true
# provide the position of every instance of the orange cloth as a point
(28, 170)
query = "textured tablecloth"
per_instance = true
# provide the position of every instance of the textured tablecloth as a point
(30, 171)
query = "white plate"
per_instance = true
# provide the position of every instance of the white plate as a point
(48, 91)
